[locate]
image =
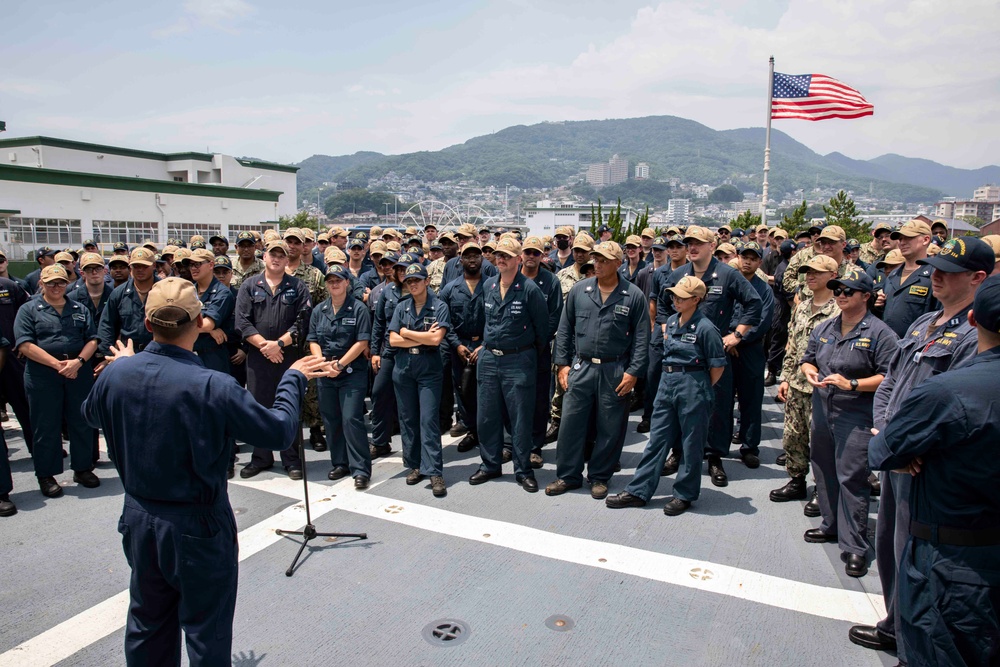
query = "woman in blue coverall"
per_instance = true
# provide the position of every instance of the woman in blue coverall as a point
(693, 360)
(339, 331)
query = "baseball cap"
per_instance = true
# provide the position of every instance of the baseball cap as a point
(608, 249)
(738, 233)
(817, 228)
(142, 256)
(725, 228)
(415, 271)
(696, 233)
(508, 245)
(120, 245)
(534, 243)
(939, 223)
(963, 254)
(91, 259)
(430, 225)
(854, 279)
(673, 230)
(447, 236)
(820, 263)
(197, 242)
(726, 249)
(632, 239)
(675, 240)
(648, 233)
(933, 249)
(269, 235)
(340, 231)
(833, 233)
(117, 259)
(172, 292)
(471, 245)
(182, 255)
(377, 248)
(392, 257)
(202, 255)
(564, 231)
(412, 230)
(88, 242)
(223, 261)
(583, 242)
(993, 240)
(752, 246)
(356, 243)
(780, 233)
(308, 234)
(404, 260)
(762, 228)
(219, 237)
(337, 271)
(393, 246)
(44, 251)
(986, 306)
(787, 245)
(276, 244)
(294, 233)
(334, 255)
(881, 227)
(169, 250)
(375, 231)
(689, 286)
(63, 257)
(603, 228)
(659, 243)
(489, 245)
(243, 237)
(912, 228)
(53, 272)
(852, 244)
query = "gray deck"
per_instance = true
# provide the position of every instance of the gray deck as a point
(730, 582)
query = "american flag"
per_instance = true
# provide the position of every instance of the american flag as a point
(816, 97)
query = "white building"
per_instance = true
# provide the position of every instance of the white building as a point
(986, 193)
(546, 216)
(57, 192)
(599, 174)
(678, 211)
(641, 171)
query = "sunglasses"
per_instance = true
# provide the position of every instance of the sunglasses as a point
(532, 253)
(846, 291)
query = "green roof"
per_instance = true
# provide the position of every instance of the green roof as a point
(101, 181)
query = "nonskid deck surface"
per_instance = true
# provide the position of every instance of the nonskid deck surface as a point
(489, 575)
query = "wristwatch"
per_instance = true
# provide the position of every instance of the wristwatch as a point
(338, 365)
(281, 343)
(854, 385)
(82, 361)
(738, 335)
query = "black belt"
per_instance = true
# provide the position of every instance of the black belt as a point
(958, 537)
(683, 369)
(514, 350)
(417, 350)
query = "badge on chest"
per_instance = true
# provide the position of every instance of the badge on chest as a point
(689, 338)
(621, 310)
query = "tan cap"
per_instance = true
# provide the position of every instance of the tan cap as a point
(91, 259)
(993, 240)
(63, 257)
(276, 244)
(762, 228)
(270, 235)
(393, 246)
(565, 230)
(912, 228)
(309, 234)
(648, 233)
(143, 256)
(820, 263)
(689, 286)
(780, 233)
(727, 248)
(933, 249)
(293, 233)
(471, 245)
(466, 229)
(172, 292)
(633, 240)
(893, 258)
(724, 228)
(256, 234)
(339, 231)
(508, 245)
(169, 250)
(323, 237)
(377, 248)
(2, 253)
(608, 249)
(699, 234)
(447, 236)
(375, 231)
(583, 242)
(334, 255)
(182, 254)
(833, 233)
(202, 255)
(534, 243)
(412, 231)
(197, 238)
(489, 245)
(149, 244)
(672, 230)
(388, 232)
(53, 272)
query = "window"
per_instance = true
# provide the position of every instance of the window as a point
(234, 230)
(37, 232)
(184, 231)
(132, 232)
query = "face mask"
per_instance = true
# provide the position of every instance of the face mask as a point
(562, 244)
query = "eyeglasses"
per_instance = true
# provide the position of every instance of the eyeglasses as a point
(531, 252)
(846, 291)
(195, 265)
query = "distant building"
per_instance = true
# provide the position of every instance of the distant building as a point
(985, 205)
(991, 228)
(599, 174)
(678, 211)
(618, 172)
(641, 171)
(546, 215)
(58, 192)
(987, 193)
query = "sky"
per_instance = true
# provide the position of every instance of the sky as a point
(282, 81)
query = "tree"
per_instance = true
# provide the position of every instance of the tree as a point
(619, 231)
(973, 220)
(745, 220)
(725, 193)
(796, 221)
(301, 220)
(356, 200)
(842, 212)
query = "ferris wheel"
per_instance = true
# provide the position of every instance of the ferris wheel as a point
(430, 212)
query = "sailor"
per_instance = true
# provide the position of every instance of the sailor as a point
(12, 297)
(123, 317)
(516, 328)
(45, 256)
(217, 309)
(178, 529)
(417, 328)
(906, 292)
(220, 245)
(601, 350)
(384, 408)
(693, 359)
(339, 331)
(58, 338)
(945, 434)
(272, 311)
(562, 254)
(247, 263)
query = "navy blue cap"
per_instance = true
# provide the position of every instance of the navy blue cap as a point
(405, 260)
(120, 245)
(415, 271)
(659, 243)
(817, 228)
(967, 253)
(986, 306)
(858, 280)
(752, 246)
(219, 237)
(436, 245)
(88, 242)
(603, 228)
(787, 245)
(337, 271)
(195, 245)
(224, 262)
(737, 233)
(392, 257)
(245, 236)
(356, 242)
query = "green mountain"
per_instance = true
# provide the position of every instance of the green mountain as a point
(549, 154)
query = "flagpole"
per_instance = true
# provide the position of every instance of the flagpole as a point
(767, 142)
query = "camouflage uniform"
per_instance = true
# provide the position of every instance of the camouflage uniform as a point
(790, 282)
(435, 273)
(568, 277)
(239, 275)
(798, 407)
(800, 279)
(869, 255)
(316, 284)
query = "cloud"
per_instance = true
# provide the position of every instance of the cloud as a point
(224, 15)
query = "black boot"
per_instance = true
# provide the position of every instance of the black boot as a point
(770, 379)
(794, 490)
(317, 439)
(812, 507)
(552, 434)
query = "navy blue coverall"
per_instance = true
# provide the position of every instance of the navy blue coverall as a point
(384, 408)
(748, 368)
(468, 320)
(168, 441)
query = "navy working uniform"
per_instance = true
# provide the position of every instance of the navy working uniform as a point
(417, 378)
(842, 423)
(949, 583)
(726, 288)
(168, 441)
(600, 342)
(682, 406)
(516, 329)
(748, 366)
(124, 319)
(552, 291)
(218, 305)
(453, 269)
(906, 301)
(6, 481)
(468, 320)
(342, 398)
(52, 397)
(271, 313)
(384, 409)
(12, 297)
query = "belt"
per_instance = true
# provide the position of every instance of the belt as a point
(417, 350)
(958, 537)
(498, 352)
(684, 369)
(603, 360)
(66, 357)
